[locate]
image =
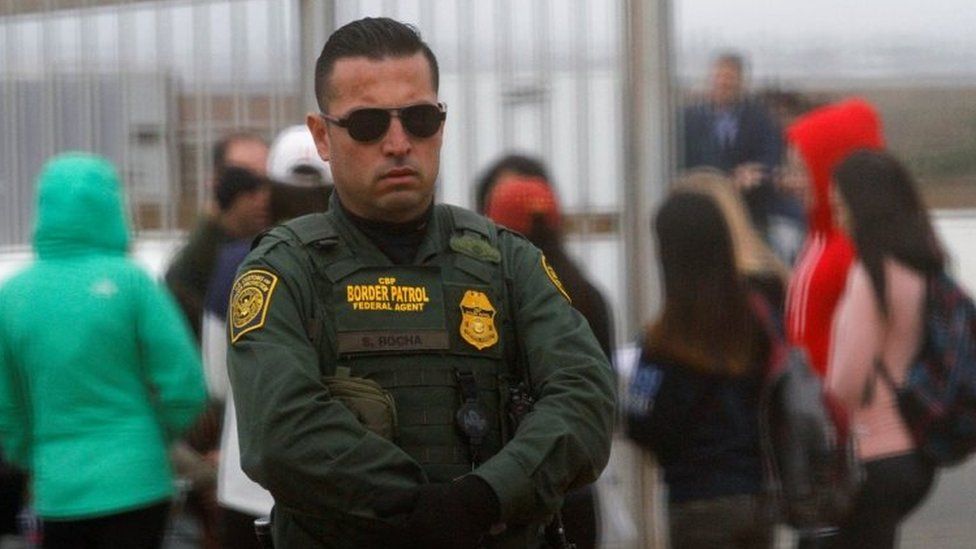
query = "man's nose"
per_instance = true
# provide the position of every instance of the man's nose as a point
(396, 142)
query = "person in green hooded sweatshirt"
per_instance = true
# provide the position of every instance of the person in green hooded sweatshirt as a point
(98, 370)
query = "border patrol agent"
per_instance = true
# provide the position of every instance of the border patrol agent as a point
(407, 374)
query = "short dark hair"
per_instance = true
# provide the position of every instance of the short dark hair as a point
(374, 38)
(733, 58)
(219, 153)
(234, 182)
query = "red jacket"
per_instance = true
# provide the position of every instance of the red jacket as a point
(824, 137)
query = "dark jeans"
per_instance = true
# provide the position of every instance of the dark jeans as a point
(237, 530)
(13, 483)
(732, 521)
(893, 487)
(141, 528)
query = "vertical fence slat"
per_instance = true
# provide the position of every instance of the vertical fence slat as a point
(581, 74)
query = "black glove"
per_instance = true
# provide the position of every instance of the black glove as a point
(458, 514)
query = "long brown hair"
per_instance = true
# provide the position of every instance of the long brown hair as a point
(706, 322)
(752, 256)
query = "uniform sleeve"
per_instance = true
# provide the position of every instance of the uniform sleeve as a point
(564, 442)
(602, 323)
(304, 447)
(856, 340)
(170, 359)
(15, 422)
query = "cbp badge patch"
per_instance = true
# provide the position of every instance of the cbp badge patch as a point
(249, 301)
(555, 278)
(478, 320)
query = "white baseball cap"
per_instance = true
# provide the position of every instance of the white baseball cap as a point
(293, 157)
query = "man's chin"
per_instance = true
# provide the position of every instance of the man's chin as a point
(403, 206)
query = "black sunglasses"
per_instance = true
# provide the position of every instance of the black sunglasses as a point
(370, 124)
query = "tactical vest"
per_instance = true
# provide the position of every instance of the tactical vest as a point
(434, 336)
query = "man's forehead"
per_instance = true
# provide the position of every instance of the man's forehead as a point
(726, 67)
(247, 153)
(245, 146)
(361, 76)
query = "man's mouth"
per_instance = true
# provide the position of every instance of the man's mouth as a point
(399, 172)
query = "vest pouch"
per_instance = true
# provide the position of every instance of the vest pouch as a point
(372, 405)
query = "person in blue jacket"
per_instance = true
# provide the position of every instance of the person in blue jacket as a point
(694, 398)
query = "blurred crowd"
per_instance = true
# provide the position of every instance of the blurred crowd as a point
(790, 225)
(794, 230)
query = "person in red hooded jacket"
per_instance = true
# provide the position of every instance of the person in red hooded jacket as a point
(817, 143)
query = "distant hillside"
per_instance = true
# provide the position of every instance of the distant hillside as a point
(934, 131)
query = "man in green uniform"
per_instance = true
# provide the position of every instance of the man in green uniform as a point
(407, 374)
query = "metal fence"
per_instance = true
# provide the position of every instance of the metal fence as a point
(151, 85)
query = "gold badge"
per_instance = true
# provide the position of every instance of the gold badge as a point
(478, 320)
(555, 278)
(249, 302)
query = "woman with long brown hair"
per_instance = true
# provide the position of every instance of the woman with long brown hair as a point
(694, 398)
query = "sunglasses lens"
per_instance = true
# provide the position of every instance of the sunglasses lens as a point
(422, 120)
(368, 124)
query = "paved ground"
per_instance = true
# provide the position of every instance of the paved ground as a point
(947, 520)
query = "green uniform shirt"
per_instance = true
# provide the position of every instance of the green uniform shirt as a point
(305, 304)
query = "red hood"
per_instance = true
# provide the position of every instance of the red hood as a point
(516, 201)
(824, 138)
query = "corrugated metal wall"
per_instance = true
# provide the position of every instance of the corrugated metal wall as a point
(151, 85)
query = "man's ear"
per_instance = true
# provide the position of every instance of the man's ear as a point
(318, 126)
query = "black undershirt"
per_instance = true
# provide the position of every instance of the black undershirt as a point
(397, 241)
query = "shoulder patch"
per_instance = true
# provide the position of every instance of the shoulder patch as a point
(249, 301)
(476, 247)
(551, 273)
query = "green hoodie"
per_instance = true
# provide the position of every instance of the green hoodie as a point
(98, 372)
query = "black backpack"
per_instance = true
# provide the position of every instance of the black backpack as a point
(938, 399)
(809, 454)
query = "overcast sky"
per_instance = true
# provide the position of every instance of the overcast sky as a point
(938, 20)
(831, 38)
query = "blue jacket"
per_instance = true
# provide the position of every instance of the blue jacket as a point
(703, 429)
(757, 138)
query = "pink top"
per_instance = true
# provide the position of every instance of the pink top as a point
(862, 334)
